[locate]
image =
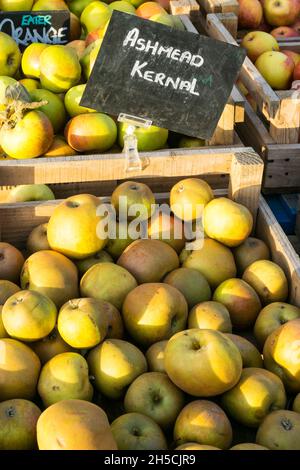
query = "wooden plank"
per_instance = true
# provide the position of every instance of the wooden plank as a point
(82, 168)
(245, 180)
(230, 20)
(224, 133)
(282, 170)
(239, 102)
(285, 126)
(265, 97)
(282, 251)
(184, 7)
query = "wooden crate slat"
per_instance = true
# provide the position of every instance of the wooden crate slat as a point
(184, 7)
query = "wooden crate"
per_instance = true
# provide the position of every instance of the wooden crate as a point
(244, 168)
(62, 173)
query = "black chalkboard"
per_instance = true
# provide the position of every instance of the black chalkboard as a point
(178, 80)
(26, 27)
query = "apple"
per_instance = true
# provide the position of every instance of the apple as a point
(91, 132)
(248, 446)
(210, 315)
(11, 262)
(18, 424)
(204, 422)
(83, 265)
(4, 83)
(241, 300)
(296, 26)
(95, 15)
(79, 47)
(87, 430)
(163, 18)
(296, 403)
(195, 446)
(72, 101)
(89, 57)
(135, 431)
(294, 56)
(154, 395)
(83, 323)
(250, 14)
(258, 42)
(96, 35)
(268, 280)
(51, 59)
(31, 60)
(227, 221)
(190, 142)
(76, 215)
(77, 6)
(250, 354)
(109, 282)
(75, 27)
(191, 283)
(188, 360)
(251, 250)
(281, 12)
(65, 377)
(284, 32)
(19, 372)
(54, 108)
(16, 5)
(149, 139)
(30, 192)
(30, 84)
(155, 356)
(31, 136)
(51, 274)
(117, 244)
(122, 5)
(7, 288)
(148, 9)
(3, 332)
(10, 55)
(115, 364)
(276, 68)
(59, 148)
(214, 260)
(272, 317)
(167, 228)
(280, 430)
(296, 74)
(257, 393)
(281, 354)
(115, 329)
(29, 316)
(50, 346)
(129, 194)
(46, 5)
(188, 197)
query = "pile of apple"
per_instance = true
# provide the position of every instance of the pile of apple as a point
(148, 343)
(55, 76)
(281, 18)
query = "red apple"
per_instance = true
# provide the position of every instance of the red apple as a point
(250, 14)
(296, 26)
(276, 68)
(281, 12)
(284, 32)
(296, 75)
(293, 55)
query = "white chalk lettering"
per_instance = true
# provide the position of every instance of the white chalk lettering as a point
(185, 56)
(173, 83)
(136, 70)
(197, 61)
(153, 47)
(140, 44)
(176, 54)
(160, 78)
(193, 86)
(148, 75)
(131, 37)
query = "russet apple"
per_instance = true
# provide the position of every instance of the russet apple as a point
(257, 42)
(281, 12)
(195, 446)
(210, 315)
(252, 249)
(204, 422)
(31, 60)
(87, 430)
(65, 377)
(50, 346)
(91, 132)
(132, 193)
(7, 289)
(135, 431)
(11, 262)
(272, 317)
(296, 403)
(18, 419)
(76, 215)
(188, 362)
(51, 274)
(280, 430)
(154, 395)
(276, 68)
(268, 280)
(281, 354)
(118, 243)
(214, 260)
(115, 364)
(3, 332)
(191, 283)
(167, 228)
(155, 356)
(241, 300)
(19, 370)
(154, 312)
(10, 55)
(250, 354)
(188, 197)
(29, 316)
(250, 14)
(257, 393)
(83, 265)
(248, 446)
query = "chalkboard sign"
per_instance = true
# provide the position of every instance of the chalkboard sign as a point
(178, 80)
(26, 27)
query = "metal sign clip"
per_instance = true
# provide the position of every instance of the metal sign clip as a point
(133, 161)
